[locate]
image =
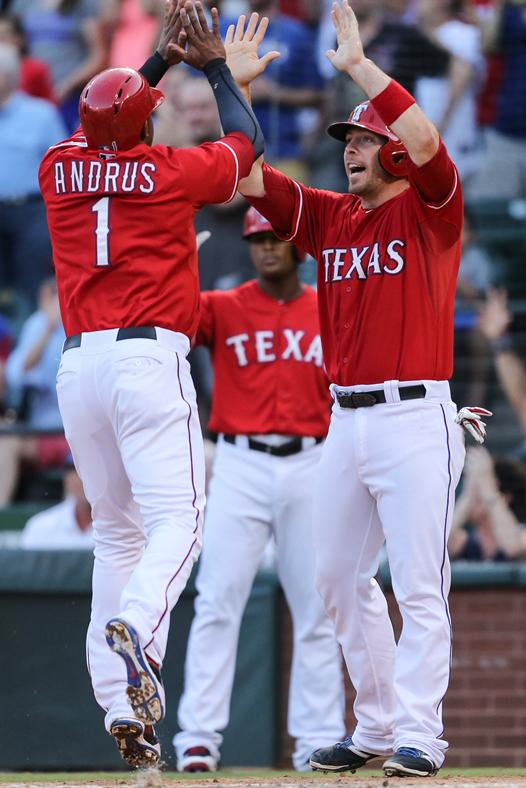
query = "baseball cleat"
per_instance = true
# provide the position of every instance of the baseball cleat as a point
(197, 759)
(137, 743)
(341, 757)
(144, 691)
(409, 762)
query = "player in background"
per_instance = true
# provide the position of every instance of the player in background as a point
(120, 212)
(388, 255)
(270, 406)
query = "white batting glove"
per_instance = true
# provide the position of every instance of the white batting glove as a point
(471, 420)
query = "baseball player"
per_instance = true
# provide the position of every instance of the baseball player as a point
(120, 213)
(388, 255)
(270, 406)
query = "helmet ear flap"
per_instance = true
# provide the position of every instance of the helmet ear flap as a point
(394, 158)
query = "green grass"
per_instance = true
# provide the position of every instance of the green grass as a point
(228, 774)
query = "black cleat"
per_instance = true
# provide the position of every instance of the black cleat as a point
(341, 757)
(409, 762)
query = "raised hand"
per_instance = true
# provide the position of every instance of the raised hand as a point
(242, 49)
(350, 49)
(203, 44)
(495, 317)
(172, 38)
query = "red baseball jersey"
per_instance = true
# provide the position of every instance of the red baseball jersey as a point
(268, 366)
(122, 228)
(386, 276)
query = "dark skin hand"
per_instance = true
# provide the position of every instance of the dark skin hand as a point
(203, 44)
(172, 39)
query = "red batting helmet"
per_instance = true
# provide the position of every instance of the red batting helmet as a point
(255, 223)
(392, 155)
(114, 106)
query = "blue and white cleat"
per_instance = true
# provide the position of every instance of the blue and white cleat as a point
(137, 743)
(409, 762)
(145, 691)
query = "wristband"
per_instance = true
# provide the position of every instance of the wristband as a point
(502, 344)
(154, 69)
(213, 65)
(392, 101)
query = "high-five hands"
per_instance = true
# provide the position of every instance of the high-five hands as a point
(202, 44)
(172, 38)
(242, 49)
(350, 49)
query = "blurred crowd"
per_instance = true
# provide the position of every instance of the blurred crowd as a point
(465, 62)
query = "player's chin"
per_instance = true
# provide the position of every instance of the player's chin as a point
(357, 184)
(270, 269)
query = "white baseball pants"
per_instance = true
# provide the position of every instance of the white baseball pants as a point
(130, 417)
(251, 496)
(389, 472)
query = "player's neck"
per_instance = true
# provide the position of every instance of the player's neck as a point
(387, 192)
(281, 290)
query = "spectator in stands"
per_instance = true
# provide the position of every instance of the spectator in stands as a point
(35, 76)
(489, 513)
(66, 526)
(474, 278)
(401, 11)
(31, 371)
(291, 84)
(494, 321)
(133, 26)
(450, 100)
(503, 170)
(68, 35)
(28, 126)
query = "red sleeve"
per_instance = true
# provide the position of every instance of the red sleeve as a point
(210, 173)
(436, 180)
(437, 189)
(205, 331)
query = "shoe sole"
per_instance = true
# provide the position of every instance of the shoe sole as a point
(395, 770)
(134, 749)
(320, 767)
(317, 767)
(143, 694)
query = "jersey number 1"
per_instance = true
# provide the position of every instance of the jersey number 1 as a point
(102, 231)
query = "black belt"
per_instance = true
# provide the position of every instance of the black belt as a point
(134, 332)
(293, 446)
(366, 399)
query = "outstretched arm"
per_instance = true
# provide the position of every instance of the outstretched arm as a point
(410, 124)
(241, 46)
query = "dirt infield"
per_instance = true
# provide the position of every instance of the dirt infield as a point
(154, 779)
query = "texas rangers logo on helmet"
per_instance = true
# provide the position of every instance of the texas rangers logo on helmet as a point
(358, 111)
